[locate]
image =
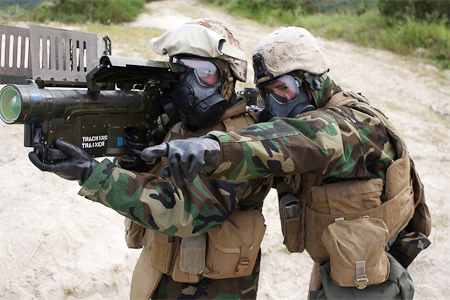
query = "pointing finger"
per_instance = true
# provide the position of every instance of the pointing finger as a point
(154, 152)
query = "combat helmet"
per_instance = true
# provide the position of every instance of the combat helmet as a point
(288, 49)
(206, 37)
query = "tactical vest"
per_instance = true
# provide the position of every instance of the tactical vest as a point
(231, 247)
(323, 204)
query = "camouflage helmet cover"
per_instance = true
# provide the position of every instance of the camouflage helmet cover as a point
(207, 38)
(289, 49)
(233, 38)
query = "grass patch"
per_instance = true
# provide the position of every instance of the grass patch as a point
(81, 11)
(428, 39)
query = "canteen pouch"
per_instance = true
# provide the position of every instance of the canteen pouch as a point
(399, 285)
(134, 233)
(291, 226)
(233, 246)
(357, 252)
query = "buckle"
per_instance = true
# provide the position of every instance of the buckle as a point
(361, 279)
(361, 282)
(242, 265)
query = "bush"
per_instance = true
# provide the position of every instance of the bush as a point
(81, 11)
(430, 10)
(12, 12)
(257, 5)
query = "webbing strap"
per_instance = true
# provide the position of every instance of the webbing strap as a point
(193, 277)
(228, 124)
(244, 259)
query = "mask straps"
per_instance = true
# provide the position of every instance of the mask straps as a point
(315, 81)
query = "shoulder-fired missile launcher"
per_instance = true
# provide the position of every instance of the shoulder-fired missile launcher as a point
(65, 84)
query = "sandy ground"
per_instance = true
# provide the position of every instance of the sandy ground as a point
(55, 244)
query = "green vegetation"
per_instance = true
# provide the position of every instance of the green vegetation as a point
(80, 11)
(11, 12)
(407, 27)
(75, 11)
(421, 32)
(421, 10)
(24, 4)
(356, 6)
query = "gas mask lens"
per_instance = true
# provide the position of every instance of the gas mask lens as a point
(283, 89)
(206, 72)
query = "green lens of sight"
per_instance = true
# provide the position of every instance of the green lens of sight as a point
(10, 104)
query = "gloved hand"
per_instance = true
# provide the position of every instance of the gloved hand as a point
(254, 108)
(78, 167)
(186, 157)
(133, 148)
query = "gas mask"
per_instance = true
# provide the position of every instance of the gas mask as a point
(285, 96)
(196, 97)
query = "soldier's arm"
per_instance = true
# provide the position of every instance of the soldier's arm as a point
(324, 142)
(157, 204)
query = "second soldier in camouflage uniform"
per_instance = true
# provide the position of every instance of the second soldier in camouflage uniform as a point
(319, 140)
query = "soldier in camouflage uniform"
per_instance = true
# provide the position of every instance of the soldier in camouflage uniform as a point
(320, 139)
(163, 215)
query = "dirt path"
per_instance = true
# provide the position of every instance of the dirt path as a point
(57, 245)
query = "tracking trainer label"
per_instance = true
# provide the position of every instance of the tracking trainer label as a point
(94, 141)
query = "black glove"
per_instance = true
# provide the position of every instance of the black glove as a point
(79, 166)
(186, 157)
(133, 148)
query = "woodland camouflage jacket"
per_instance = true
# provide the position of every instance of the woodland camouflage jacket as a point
(155, 203)
(337, 142)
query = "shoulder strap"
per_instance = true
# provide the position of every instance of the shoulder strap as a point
(339, 99)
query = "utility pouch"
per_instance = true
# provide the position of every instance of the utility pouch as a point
(134, 233)
(347, 200)
(177, 274)
(399, 285)
(233, 246)
(192, 255)
(356, 249)
(163, 252)
(145, 278)
(291, 223)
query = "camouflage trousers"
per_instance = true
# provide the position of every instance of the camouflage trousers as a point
(242, 288)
